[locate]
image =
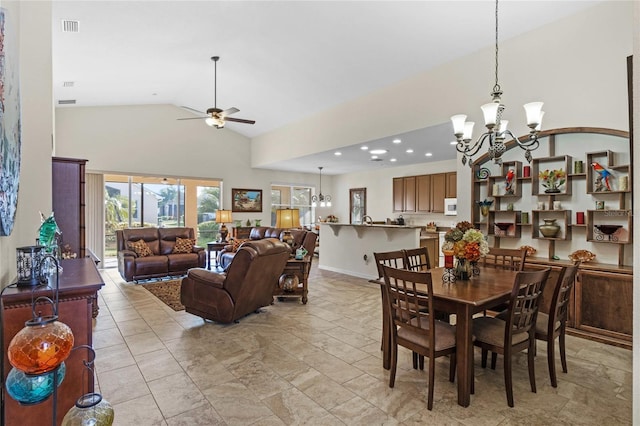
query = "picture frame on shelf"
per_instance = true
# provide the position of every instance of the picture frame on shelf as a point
(246, 200)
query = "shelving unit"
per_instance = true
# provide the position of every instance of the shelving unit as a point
(602, 284)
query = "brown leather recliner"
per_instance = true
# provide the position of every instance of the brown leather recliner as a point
(247, 285)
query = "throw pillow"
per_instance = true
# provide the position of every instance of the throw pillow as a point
(235, 244)
(183, 245)
(141, 248)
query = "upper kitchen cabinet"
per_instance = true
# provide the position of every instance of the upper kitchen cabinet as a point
(424, 193)
(452, 185)
(404, 194)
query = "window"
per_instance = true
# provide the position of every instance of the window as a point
(292, 197)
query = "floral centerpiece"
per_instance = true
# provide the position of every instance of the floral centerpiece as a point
(467, 244)
(552, 179)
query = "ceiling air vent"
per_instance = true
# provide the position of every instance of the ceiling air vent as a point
(67, 102)
(68, 84)
(70, 26)
(377, 159)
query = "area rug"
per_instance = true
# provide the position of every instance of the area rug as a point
(168, 292)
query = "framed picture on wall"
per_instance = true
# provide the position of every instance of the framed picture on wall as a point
(246, 200)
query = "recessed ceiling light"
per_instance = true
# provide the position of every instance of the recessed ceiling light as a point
(393, 160)
(364, 147)
(428, 154)
(337, 153)
(454, 142)
(397, 141)
(409, 151)
(378, 151)
(373, 157)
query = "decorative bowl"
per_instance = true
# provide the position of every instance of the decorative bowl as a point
(503, 226)
(608, 229)
(582, 255)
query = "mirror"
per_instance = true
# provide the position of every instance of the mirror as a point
(357, 205)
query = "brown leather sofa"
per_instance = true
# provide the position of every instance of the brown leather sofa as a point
(162, 262)
(246, 286)
(301, 238)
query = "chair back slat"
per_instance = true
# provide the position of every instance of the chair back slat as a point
(417, 259)
(525, 297)
(562, 293)
(394, 259)
(510, 259)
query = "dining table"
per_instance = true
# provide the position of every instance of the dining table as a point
(464, 298)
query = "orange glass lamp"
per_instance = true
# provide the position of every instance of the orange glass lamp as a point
(287, 219)
(223, 216)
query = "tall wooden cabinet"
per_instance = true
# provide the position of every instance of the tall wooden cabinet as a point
(68, 201)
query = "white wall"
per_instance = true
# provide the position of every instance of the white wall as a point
(148, 140)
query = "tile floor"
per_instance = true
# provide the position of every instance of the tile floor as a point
(320, 364)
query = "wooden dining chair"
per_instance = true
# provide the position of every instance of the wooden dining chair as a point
(551, 325)
(417, 259)
(517, 332)
(503, 258)
(394, 259)
(414, 328)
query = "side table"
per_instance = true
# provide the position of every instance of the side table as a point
(214, 246)
(300, 268)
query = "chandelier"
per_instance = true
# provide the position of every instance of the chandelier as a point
(324, 200)
(497, 130)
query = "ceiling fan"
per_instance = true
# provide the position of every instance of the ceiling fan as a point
(217, 117)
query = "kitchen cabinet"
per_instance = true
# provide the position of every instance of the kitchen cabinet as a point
(452, 185)
(438, 192)
(423, 193)
(431, 243)
(404, 194)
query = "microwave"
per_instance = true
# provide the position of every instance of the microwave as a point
(450, 206)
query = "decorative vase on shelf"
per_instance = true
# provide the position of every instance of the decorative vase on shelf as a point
(258, 222)
(549, 229)
(552, 190)
(463, 269)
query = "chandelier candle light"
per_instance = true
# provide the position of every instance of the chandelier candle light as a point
(324, 200)
(497, 130)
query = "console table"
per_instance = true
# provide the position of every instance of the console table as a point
(299, 268)
(79, 285)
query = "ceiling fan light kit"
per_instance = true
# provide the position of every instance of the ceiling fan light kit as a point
(217, 117)
(497, 130)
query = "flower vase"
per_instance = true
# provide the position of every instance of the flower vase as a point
(549, 229)
(463, 269)
(475, 269)
(552, 190)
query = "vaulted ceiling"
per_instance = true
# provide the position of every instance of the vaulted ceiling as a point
(281, 61)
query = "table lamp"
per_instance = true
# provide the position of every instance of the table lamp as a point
(223, 216)
(287, 219)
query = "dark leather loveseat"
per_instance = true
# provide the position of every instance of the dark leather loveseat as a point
(163, 260)
(246, 286)
(301, 238)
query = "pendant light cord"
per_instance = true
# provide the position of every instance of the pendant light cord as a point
(496, 88)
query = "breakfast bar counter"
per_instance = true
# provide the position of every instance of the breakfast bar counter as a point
(349, 248)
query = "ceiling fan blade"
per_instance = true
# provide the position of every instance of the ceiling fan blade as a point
(239, 120)
(192, 109)
(229, 111)
(192, 118)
